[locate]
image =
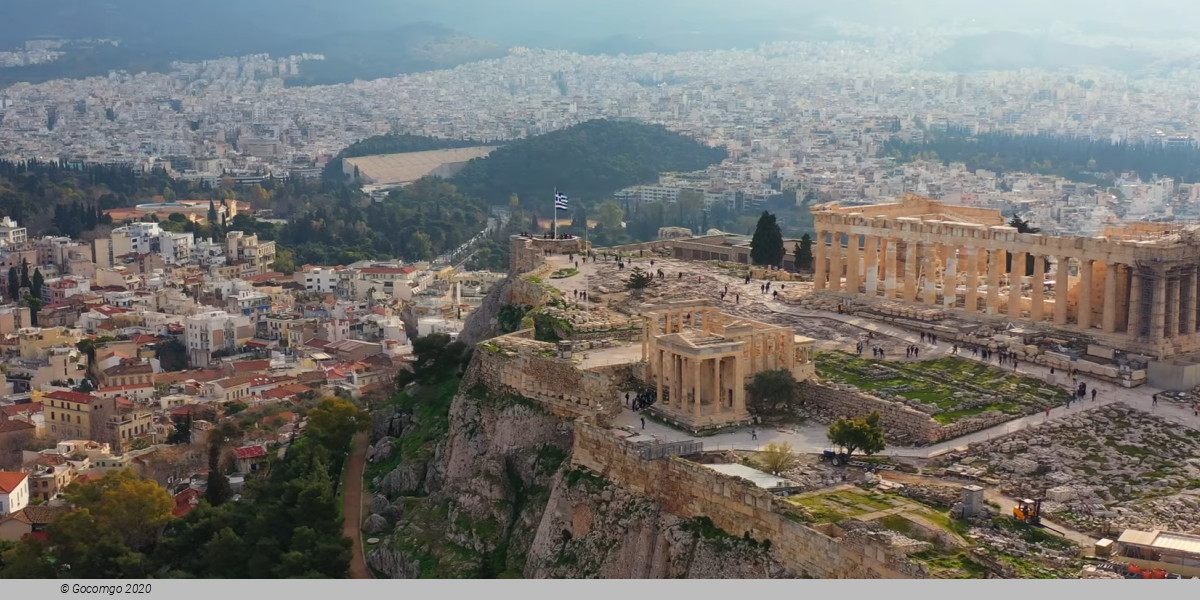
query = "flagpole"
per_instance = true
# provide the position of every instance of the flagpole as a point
(554, 212)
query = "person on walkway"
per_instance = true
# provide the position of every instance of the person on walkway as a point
(753, 433)
(737, 298)
(1093, 394)
(643, 422)
(1154, 400)
(627, 398)
(1047, 412)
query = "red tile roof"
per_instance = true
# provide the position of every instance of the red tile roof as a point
(185, 501)
(10, 481)
(249, 366)
(13, 426)
(72, 397)
(246, 452)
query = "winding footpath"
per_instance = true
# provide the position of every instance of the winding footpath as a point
(353, 505)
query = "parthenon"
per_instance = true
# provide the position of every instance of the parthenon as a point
(701, 360)
(1134, 288)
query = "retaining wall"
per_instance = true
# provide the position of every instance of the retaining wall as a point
(737, 506)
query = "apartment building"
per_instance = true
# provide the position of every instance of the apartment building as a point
(213, 331)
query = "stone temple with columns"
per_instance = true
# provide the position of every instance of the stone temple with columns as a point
(1134, 288)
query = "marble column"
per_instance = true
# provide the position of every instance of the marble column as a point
(853, 263)
(972, 303)
(719, 396)
(1016, 276)
(1108, 316)
(820, 269)
(1134, 327)
(835, 262)
(1189, 301)
(929, 254)
(696, 385)
(1062, 283)
(739, 385)
(872, 265)
(1038, 285)
(995, 265)
(659, 382)
(1158, 305)
(1084, 318)
(681, 393)
(889, 268)
(910, 271)
(1171, 318)
(950, 278)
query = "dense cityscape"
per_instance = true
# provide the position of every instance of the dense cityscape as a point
(498, 320)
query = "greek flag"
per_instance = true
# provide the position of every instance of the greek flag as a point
(560, 201)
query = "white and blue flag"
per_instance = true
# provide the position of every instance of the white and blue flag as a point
(560, 201)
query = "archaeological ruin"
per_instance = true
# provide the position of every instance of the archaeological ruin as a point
(1134, 289)
(701, 360)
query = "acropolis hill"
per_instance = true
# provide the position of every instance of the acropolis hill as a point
(553, 466)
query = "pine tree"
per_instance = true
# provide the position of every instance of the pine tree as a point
(212, 213)
(804, 253)
(766, 247)
(38, 281)
(14, 284)
(25, 282)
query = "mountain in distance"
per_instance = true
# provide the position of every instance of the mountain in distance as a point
(588, 161)
(1008, 51)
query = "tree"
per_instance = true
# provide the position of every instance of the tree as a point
(421, 246)
(334, 421)
(609, 215)
(771, 391)
(168, 194)
(134, 509)
(38, 282)
(639, 280)
(863, 433)
(212, 213)
(183, 430)
(14, 284)
(285, 262)
(766, 247)
(804, 253)
(25, 282)
(777, 458)
(218, 490)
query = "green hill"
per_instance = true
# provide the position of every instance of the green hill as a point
(587, 161)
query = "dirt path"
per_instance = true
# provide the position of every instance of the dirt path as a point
(352, 509)
(1006, 503)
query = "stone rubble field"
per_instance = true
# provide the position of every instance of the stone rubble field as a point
(1101, 471)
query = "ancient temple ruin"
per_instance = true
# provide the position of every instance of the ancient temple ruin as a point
(1134, 289)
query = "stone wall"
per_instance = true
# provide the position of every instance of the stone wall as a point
(529, 293)
(901, 424)
(738, 507)
(527, 254)
(557, 384)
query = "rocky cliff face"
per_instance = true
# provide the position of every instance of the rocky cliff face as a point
(471, 510)
(591, 528)
(487, 490)
(481, 323)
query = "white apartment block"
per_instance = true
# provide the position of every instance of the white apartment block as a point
(215, 330)
(319, 279)
(12, 234)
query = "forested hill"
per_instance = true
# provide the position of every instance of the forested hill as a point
(590, 160)
(392, 144)
(1075, 159)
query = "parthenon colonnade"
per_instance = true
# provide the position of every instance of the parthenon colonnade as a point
(1141, 292)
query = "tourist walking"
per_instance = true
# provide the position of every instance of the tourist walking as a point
(753, 433)
(1093, 394)
(643, 422)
